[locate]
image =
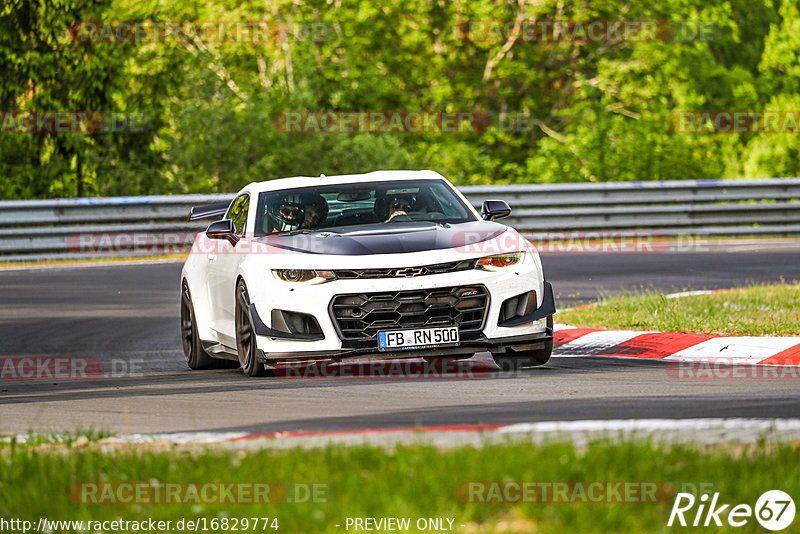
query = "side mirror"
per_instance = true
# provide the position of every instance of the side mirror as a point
(224, 229)
(494, 209)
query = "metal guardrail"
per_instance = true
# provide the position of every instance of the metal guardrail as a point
(129, 226)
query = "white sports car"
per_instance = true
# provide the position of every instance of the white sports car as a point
(389, 264)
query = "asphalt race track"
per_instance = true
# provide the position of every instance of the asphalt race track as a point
(125, 317)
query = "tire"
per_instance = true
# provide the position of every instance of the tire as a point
(514, 361)
(245, 336)
(196, 357)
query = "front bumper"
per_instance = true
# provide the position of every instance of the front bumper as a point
(315, 300)
(466, 348)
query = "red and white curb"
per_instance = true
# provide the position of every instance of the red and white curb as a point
(671, 346)
(219, 437)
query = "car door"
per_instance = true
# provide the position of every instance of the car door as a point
(223, 267)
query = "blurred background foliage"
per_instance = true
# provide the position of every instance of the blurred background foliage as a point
(563, 111)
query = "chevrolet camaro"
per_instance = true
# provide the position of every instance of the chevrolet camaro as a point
(389, 264)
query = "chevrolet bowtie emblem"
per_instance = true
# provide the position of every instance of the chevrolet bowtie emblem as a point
(409, 272)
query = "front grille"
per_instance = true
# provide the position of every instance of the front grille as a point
(423, 270)
(360, 316)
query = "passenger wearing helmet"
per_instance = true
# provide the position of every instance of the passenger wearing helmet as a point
(286, 214)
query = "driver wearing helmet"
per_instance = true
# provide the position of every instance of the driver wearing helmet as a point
(297, 212)
(399, 205)
(286, 214)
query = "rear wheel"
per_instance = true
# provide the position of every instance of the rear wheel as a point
(245, 336)
(196, 357)
(514, 361)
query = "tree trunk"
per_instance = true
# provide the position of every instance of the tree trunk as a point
(79, 175)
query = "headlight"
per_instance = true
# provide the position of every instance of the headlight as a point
(498, 261)
(304, 275)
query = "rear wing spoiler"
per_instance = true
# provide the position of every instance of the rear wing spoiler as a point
(209, 211)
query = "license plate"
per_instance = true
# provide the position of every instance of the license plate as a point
(417, 339)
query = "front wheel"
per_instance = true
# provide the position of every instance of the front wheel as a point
(514, 361)
(245, 335)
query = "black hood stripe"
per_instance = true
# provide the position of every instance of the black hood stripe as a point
(391, 238)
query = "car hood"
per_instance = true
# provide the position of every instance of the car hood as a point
(392, 238)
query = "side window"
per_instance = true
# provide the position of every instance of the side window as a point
(238, 213)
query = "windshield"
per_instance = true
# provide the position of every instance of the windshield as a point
(339, 205)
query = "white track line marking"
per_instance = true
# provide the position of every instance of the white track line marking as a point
(650, 425)
(736, 349)
(682, 294)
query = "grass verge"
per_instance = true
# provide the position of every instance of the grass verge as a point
(759, 310)
(414, 481)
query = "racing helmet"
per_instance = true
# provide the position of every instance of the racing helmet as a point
(286, 213)
(402, 202)
(394, 202)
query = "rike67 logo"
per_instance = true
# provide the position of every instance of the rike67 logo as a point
(774, 510)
